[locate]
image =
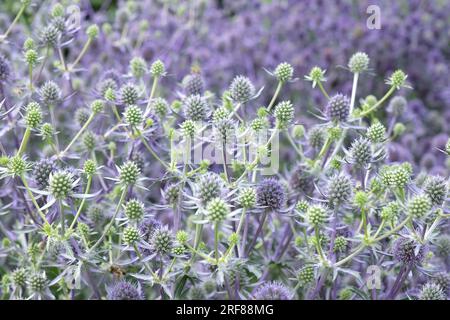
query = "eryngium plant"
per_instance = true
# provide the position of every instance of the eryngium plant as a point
(115, 205)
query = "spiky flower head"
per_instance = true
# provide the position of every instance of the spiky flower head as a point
(436, 188)
(316, 75)
(339, 190)
(301, 180)
(316, 215)
(442, 279)
(338, 108)
(272, 291)
(89, 139)
(147, 229)
(188, 128)
(340, 244)
(131, 235)
(129, 94)
(284, 113)
(224, 129)
(316, 137)
(19, 277)
(397, 79)
(247, 197)
(220, 114)
(89, 167)
(376, 132)
(172, 194)
(359, 62)
(419, 206)
(395, 175)
(37, 282)
(50, 92)
(29, 44)
(271, 193)
(92, 31)
(408, 251)
(361, 151)
(306, 275)
(302, 206)
(124, 290)
(49, 35)
(42, 171)
(33, 115)
(133, 116)
(391, 211)
(443, 246)
(160, 106)
(195, 107)
(82, 115)
(209, 186)
(284, 72)
(258, 124)
(397, 105)
(182, 236)
(138, 67)
(97, 106)
(162, 240)
(31, 57)
(217, 210)
(57, 10)
(129, 173)
(134, 209)
(158, 69)
(95, 213)
(17, 166)
(432, 291)
(61, 184)
(241, 89)
(193, 84)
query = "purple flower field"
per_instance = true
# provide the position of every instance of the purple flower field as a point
(224, 150)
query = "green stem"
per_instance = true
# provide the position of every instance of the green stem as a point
(323, 90)
(152, 152)
(83, 51)
(63, 218)
(318, 246)
(113, 218)
(88, 187)
(216, 241)
(33, 199)
(275, 95)
(86, 124)
(23, 144)
(294, 145)
(376, 105)
(152, 93)
(19, 14)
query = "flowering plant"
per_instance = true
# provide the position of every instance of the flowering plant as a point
(115, 188)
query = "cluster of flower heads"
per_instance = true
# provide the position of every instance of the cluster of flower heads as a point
(100, 198)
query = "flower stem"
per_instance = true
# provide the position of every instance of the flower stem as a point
(323, 90)
(19, 14)
(33, 199)
(113, 218)
(216, 241)
(83, 51)
(23, 144)
(86, 124)
(376, 105)
(275, 95)
(88, 187)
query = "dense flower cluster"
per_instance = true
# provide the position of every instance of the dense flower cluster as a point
(129, 183)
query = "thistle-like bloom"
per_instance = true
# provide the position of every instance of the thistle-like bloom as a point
(134, 209)
(217, 210)
(129, 173)
(50, 92)
(338, 108)
(339, 190)
(436, 188)
(284, 72)
(272, 291)
(124, 290)
(432, 291)
(162, 240)
(241, 89)
(359, 62)
(361, 152)
(195, 108)
(193, 84)
(129, 94)
(284, 113)
(271, 193)
(408, 251)
(61, 184)
(208, 187)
